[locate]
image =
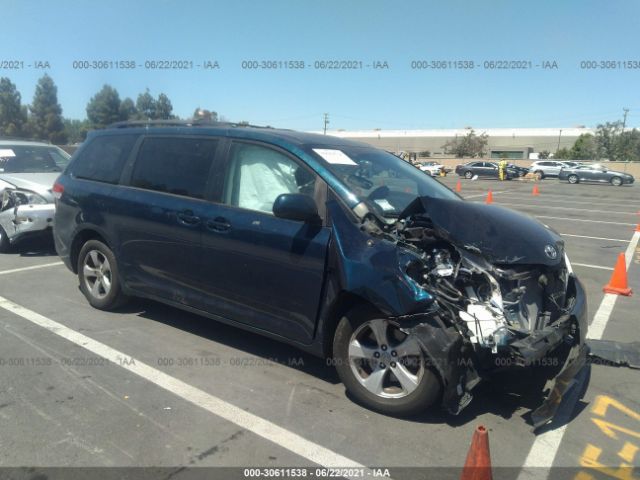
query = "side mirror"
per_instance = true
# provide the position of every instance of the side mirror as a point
(296, 206)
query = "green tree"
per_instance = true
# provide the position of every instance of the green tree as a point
(127, 110)
(471, 145)
(607, 139)
(543, 155)
(104, 107)
(147, 106)
(200, 113)
(76, 130)
(164, 108)
(628, 146)
(562, 154)
(46, 114)
(584, 148)
(13, 116)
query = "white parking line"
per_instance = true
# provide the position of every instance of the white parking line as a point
(585, 220)
(545, 447)
(589, 210)
(34, 267)
(591, 266)
(564, 198)
(595, 238)
(484, 194)
(250, 422)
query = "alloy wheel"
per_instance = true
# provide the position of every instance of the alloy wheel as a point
(97, 274)
(384, 360)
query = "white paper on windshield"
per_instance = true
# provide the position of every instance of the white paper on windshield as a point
(384, 204)
(337, 157)
(6, 152)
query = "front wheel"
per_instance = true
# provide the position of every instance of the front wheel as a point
(382, 367)
(468, 174)
(573, 179)
(98, 276)
(616, 181)
(539, 174)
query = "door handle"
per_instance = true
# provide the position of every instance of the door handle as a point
(219, 224)
(188, 218)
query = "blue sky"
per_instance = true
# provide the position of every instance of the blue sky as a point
(568, 31)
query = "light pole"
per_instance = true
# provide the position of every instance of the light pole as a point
(326, 122)
(559, 136)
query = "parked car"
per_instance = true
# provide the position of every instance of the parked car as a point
(595, 173)
(546, 168)
(331, 245)
(433, 168)
(483, 169)
(27, 172)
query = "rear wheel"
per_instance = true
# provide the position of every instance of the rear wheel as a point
(98, 276)
(382, 367)
(572, 179)
(4, 241)
(468, 174)
(616, 181)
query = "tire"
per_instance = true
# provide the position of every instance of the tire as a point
(573, 179)
(99, 277)
(5, 244)
(539, 174)
(468, 174)
(616, 181)
(355, 336)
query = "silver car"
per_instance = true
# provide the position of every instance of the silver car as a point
(595, 173)
(27, 173)
(547, 168)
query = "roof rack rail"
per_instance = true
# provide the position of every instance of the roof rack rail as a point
(200, 122)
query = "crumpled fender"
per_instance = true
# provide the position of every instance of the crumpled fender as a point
(372, 268)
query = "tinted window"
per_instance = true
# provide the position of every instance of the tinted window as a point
(475, 164)
(102, 159)
(257, 175)
(174, 165)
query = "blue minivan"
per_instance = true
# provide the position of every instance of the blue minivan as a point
(334, 246)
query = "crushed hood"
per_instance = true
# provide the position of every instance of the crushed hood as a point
(41, 183)
(501, 235)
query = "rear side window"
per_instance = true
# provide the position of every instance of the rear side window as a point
(174, 165)
(102, 160)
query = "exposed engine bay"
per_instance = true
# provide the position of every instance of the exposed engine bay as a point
(492, 309)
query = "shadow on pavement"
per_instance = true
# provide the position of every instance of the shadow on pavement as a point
(507, 394)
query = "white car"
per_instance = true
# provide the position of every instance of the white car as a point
(432, 168)
(547, 168)
(27, 172)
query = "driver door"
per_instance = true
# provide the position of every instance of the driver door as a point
(260, 270)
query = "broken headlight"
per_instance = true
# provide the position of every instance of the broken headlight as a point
(14, 197)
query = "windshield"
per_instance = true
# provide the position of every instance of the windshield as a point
(32, 159)
(383, 181)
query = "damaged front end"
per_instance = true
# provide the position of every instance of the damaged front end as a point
(504, 296)
(24, 213)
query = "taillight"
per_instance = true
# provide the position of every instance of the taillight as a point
(57, 190)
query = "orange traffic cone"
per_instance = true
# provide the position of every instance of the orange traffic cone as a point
(458, 186)
(638, 228)
(536, 190)
(489, 197)
(477, 466)
(618, 282)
